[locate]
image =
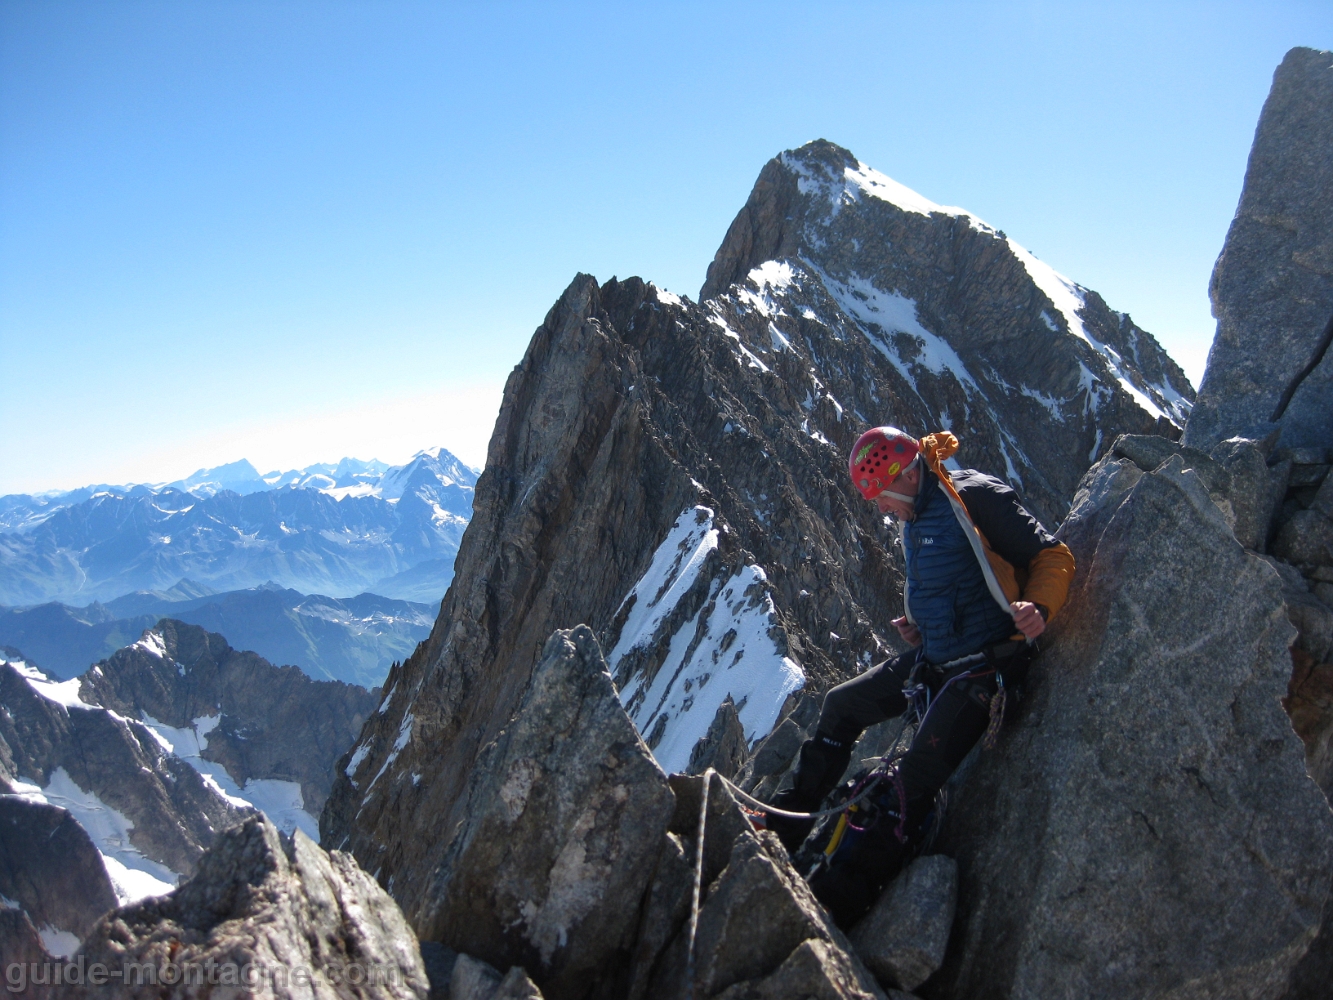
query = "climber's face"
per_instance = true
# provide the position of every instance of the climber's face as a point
(907, 484)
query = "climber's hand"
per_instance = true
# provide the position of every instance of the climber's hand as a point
(910, 633)
(1028, 619)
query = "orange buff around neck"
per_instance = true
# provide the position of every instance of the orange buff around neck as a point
(937, 447)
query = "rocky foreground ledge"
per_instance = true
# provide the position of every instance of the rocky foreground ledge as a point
(265, 915)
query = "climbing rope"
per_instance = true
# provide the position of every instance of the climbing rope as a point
(997, 702)
(750, 800)
(698, 882)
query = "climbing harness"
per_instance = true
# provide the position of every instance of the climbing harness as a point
(920, 699)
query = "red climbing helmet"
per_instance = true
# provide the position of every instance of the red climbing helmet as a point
(880, 456)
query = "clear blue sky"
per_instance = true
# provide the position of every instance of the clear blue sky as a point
(294, 231)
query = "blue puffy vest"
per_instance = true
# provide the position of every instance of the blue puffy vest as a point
(946, 592)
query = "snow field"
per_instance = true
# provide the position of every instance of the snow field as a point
(726, 648)
(281, 801)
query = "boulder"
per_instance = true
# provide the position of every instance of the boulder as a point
(565, 819)
(816, 970)
(1251, 492)
(902, 940)
(472, 979)
(1272, 287)
(757, 912)
(1147, 451)
(1147, 826)
(263, 907)
(1306, 539)
(515, 985)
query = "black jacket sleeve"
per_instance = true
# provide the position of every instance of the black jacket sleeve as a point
(1014, 534)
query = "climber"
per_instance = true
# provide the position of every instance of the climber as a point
(983, 579)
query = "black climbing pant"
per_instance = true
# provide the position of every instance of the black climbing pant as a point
(821, 763)
(957, 718)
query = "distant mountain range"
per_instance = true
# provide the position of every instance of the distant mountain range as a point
(342, 530)
(354, 639)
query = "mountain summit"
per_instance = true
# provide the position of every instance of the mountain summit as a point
(978, 333)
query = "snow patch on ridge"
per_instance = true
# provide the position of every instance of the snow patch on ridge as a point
(153, 644)
(893, 312)
(728, 647)
(676, 565)
(1069, 298)
(63, 693)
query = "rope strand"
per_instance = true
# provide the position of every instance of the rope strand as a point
(698, 882)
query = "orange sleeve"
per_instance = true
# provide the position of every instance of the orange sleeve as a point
(1050, 573)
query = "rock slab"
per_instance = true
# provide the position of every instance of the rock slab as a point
(1147, 827)
(903, 939)
(1272, 287)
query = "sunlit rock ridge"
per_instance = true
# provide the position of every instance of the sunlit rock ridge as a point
(674, 475)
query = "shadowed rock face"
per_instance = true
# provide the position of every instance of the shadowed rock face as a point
(1272, 288)
(674, 475)
(50, 868)
(284, 907)
(1148, 827)
(275, 721)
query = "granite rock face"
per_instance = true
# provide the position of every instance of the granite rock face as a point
(1272, 288)
(566, 815)
(267, 722)
(1147, 828)
(265, 911)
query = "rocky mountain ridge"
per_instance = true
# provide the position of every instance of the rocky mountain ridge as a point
(667, 474)
(118, 782)
(673, 475)
(355, 639)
